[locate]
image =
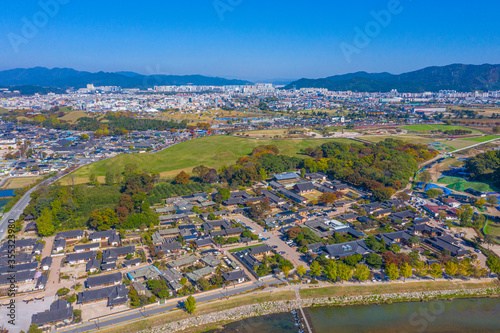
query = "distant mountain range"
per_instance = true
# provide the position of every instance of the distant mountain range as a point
(64, 78)
(452, 77)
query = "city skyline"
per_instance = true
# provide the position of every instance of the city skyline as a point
(254, 41)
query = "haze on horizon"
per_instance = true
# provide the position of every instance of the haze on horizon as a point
(248, 39)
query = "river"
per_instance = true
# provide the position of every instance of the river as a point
(460, 315)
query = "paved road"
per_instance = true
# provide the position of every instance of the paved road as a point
(141, 313)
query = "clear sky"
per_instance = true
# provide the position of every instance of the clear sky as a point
(251, 39)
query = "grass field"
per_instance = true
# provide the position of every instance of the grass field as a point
(339, 290)
(212, 151)
(428, 128)
(460, 184)
(14, 183)
(493, 228)
(3, 110)
(73, 116)
(271, 133)
(482, 138)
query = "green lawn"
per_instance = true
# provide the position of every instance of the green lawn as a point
(460, 184)
(493, 228)
(212, 151)
(482, 138)
(428, 128)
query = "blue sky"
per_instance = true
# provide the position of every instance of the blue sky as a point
(250, 39)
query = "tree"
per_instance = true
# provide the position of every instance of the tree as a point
(478, 220)
(286, 270)
(103, 219)
(93, 180)
(45, 223)
(222, 195)
(327, 198)
(34, 329)
(420, 268)
(62, 291)
(465, 268)
(331, 270)
(182, 178)
(442, 215)
(200, 171)
(406, 271)
(465, 214)
(414, 240)
(395, 248)
(203, 284)
(492, 200)
(392, 271)
(425, 176)
(316, 269)
(450, 268)
(374, 260)
(434, 192)
(301, 271)
(344, 272)
(84, 137)
(493, 264)
(436, 271)
(190, 304)
(109, 179)
(382, 194)
(488, 239)
(361, 272)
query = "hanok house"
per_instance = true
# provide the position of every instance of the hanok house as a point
(41, 282)
(93, 265)
(30, 227)
(77, 258)
(115, 295)
(69, 236)
(132, 262)
(144, 274)
(201, 273)
(260, 250)
(183, 262)
(37, 249)
(397, 237)
(401, 216)
(304, 188)
(235, 276)
(21, 244)
(339, 251)
(286, 178)
(172, 277)
(59, 245)
(104, 280)
(108, 236)
(447, 243)
(46, 263)
(86, 247)
(60, 311)
(113, 254)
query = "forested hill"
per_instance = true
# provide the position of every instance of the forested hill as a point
(485, 167)
(69, 78)
(458, 77)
